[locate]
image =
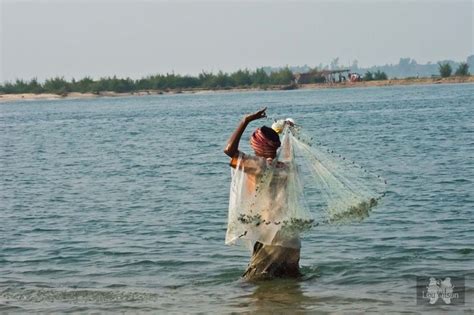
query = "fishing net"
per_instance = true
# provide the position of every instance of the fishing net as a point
(273, 201)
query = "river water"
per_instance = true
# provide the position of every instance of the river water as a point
(120, 204)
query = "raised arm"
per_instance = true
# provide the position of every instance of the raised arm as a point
(232, 147)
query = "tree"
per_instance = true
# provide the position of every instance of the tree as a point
(241, 78)
(368, 76)
(57, 85)
(188, 81)
(260, 77)
(222, 80)
(84, 85)
(284, 76)
(463, 69)
(445, 69)
(21, 86)
(380, 75)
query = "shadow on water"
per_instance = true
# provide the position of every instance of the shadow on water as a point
(277, 295)
(308, 294)
(272, 295)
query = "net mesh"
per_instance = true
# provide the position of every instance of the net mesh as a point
(274, 201)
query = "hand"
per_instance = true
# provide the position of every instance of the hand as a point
(257, 115)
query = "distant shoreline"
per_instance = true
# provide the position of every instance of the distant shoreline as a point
(311, 86)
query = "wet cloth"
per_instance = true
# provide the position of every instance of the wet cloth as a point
(264, 203)
(270, 262)
(260, 215)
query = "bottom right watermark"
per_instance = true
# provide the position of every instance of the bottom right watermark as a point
(440, 290)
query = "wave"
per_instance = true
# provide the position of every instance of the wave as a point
(38, 295)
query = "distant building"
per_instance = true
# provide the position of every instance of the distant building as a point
(323, 76)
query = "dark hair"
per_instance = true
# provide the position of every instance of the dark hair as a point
(271, 134)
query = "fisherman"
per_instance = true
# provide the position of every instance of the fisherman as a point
(279, 257)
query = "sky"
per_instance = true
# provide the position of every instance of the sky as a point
(74, 38)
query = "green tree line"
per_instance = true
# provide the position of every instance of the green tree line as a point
(377, 75)
(445, 69)
(205, 80)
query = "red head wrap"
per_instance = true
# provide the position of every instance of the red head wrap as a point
(263, 144)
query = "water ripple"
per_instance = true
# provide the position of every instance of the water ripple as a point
(120, 205)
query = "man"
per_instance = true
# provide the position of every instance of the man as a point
(274, 255)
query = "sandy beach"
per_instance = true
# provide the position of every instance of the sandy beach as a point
(391, 82)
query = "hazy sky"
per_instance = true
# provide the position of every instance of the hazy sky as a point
(135, 38)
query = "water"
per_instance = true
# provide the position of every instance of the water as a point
(120, 204)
